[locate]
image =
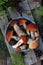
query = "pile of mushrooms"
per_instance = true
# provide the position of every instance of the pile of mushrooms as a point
(22, 39)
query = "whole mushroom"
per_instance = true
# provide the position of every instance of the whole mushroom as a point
(9, 35)
(32, 28)
(22, 21)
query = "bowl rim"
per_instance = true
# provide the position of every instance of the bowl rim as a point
(25, 50)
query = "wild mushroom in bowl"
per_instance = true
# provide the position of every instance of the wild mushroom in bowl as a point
(22, 34)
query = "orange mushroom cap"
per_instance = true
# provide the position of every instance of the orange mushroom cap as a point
(32, 27)
(9, 35)
(13, 22)
(22, 21)
(24, 38)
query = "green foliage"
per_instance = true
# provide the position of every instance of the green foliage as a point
(38, 12)
(41, 11)
(3, 14)
(2, 11)
(3, 2)
(38, 15)
(1, 8)
(18, 59)
(1, 37)
(3, 46)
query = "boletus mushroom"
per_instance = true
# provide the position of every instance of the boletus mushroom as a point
(9, 35)
(33, 28)
(22, 21)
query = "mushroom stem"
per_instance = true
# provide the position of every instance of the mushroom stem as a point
(36, 34)
(29, 41)
(18, 43)
(15, 37)
(23, 47)
(18, 30)
(24, 25)
(32, 34)
(28, 32)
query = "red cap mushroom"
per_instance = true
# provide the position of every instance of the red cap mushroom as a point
(32, 27)
(13, 22)
(22, 21)
(24, 38)
(9, 35)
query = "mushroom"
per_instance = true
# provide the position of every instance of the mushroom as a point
(32, 28)
(34, 44)
(18, 30)
(29, 41)
(22, 22)
(9, 35)
(24, 38)
(12, 23)
(18, 43)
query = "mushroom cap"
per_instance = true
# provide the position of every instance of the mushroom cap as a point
(13, 22)
(9, 35)
(32, 27)
(24, 38)
(22, 21)
(34, 44)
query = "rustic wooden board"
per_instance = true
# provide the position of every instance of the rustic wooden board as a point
(30, 58)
